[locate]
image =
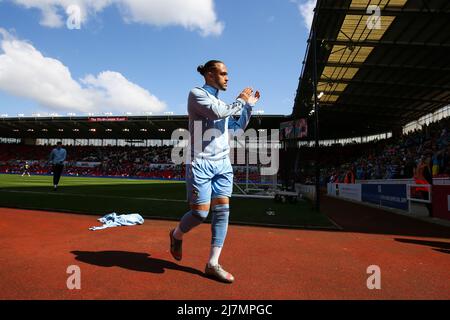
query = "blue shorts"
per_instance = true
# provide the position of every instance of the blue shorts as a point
(206, 179)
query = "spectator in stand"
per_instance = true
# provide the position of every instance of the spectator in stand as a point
(445, 169)
(423, 175)
(409, 167)
(333, 178)
(350, 176)
(435, 162)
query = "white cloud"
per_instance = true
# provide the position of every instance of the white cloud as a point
(117, 93)
(25, 72)
(306, 9)
(50, 18)
(191, 14)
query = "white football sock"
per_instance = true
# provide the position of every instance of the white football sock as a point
(214, 256)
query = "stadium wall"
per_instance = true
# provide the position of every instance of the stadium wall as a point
(395, 196)
(436, 181)
(441, 202)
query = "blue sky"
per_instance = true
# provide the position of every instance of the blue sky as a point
(127, 58)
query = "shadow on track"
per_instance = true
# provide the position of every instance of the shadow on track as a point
(135, 261)
(439, 246)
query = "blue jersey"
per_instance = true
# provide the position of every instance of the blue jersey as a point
(209, 121)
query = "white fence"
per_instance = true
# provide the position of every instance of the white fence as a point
(436, 181)
(307, 191)
(392, 194)
(346, 191)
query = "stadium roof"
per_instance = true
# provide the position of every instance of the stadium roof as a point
(376, 78)
(111, 127)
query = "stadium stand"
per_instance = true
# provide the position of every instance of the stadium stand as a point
(135, 162)
(151, 162)
(394, 158)
(372, 73)
(102, 136)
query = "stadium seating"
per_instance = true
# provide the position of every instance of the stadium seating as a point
(151, 162)
(386, 159)
(393, 158)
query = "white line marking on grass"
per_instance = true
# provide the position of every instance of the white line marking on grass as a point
(90, 195)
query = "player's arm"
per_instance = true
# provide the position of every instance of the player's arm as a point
(214, 109)
(244, 119)
(241, 123)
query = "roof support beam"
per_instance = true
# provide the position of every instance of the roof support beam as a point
(384, 83)
(351, 107)
(366, 65)
(378, 43)
(365, 116)
(387, 97)
(384, 12)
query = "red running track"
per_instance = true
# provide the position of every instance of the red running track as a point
(134, 262)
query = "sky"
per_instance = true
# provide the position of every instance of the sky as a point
(137, 57)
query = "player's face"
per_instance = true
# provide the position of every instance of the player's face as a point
(219, 77)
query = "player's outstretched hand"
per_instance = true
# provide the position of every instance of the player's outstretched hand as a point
(254, 98)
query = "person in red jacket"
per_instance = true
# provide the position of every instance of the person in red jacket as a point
(423, 175)
(350, 176)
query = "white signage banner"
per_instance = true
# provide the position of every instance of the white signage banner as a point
(344, 190)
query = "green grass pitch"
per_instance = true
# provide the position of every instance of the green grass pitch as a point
(150, 198)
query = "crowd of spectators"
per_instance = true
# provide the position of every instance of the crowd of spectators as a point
(394, 158)
(150, 162)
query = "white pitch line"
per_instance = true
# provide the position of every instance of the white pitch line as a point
(90, 195)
